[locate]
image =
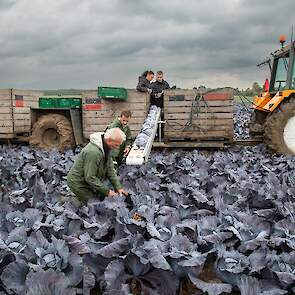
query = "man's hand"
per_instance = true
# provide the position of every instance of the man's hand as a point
(149, 90)
(121, 191)
(127, 150)
(112, 194)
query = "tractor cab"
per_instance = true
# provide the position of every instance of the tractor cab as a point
(283, 70)
(282, 81)
(274, 109)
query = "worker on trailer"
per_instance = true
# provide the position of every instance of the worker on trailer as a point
(158, 87)
(94, 165)
(144, 82)
(124, 149)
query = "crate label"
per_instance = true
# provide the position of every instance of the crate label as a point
(19, 101)
(93, 104)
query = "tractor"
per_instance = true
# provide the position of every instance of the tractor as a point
(273, 117)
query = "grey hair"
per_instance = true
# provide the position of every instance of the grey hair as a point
(115, 134)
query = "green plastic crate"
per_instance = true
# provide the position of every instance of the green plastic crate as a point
(59, 102)
(64, 103)
(69, 103)
(112, 93)
(77, 103)
(47, 102)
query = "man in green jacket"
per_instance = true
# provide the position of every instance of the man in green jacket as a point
(94, 165)
(122, 123)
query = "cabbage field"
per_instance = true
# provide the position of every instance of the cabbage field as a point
(220, 223)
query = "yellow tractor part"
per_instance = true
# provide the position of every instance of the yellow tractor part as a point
(267, 103)
(260, 101)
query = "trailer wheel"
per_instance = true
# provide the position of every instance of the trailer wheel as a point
(279, 132)
(53, 131)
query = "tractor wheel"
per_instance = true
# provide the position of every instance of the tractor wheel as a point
(279, 133)
(53, 131)
(256, 124)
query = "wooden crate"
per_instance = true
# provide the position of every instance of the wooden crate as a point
(190, 115)
(6, 115)
(23, 101)
(98, 114)
(15, 111)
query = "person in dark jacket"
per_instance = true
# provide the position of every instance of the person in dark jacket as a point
(94, 165)
(144, 82)
(158, 88)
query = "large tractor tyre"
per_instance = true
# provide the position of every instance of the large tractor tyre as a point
(256, 124)
(279, 133)
(53, 131)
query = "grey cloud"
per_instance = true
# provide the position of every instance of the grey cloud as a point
(71, 43)
(4, 4)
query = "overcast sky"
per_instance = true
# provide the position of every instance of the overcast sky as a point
(51, 44)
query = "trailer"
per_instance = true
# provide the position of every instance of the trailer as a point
(191, 118)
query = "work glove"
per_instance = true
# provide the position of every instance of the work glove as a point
(149, 90)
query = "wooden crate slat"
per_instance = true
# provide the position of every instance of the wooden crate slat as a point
(5, 103)
(118, 107)
(19, 122)
(112, 114)
(218, 95)
(178, 128)
(195, 135)
(211, 103)
(185, 92)
(7, 135)
(22, 110)
(6, 129)
(4, 117)
(22, 118)
(124, 106)
(5, 110)
(108, 120)
(186, 116)
(221, 109)
(202, 122)
(19, 129)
